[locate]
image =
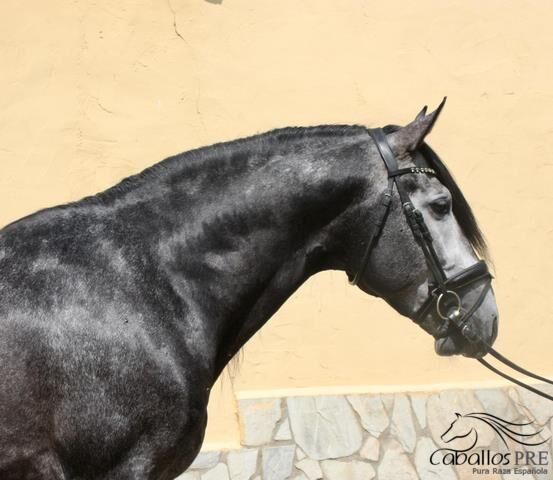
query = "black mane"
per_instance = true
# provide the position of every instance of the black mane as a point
(461, 209)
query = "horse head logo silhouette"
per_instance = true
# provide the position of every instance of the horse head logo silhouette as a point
(463, 426)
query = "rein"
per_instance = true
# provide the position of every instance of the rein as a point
(444, 293)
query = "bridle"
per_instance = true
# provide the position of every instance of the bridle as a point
(444, 293)
(443, 296)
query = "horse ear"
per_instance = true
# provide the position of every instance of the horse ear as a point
(458, 415)
(411, 136)
(422, 113)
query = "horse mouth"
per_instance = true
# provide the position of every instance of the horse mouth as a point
(455, 344)
(447, 346)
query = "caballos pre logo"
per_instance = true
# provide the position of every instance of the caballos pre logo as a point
(525, 450)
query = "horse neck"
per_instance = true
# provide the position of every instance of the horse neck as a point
(243, 231)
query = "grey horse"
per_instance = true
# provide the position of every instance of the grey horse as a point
(119, 311)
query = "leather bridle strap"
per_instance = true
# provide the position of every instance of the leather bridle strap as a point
(414, 217)
(469, 276)
(382, 213)
(514, 366)
(518, 382)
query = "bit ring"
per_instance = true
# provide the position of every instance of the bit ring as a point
(456, 312)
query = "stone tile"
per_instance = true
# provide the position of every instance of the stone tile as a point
(535, 407)
(395, 464)
(242, 464)
(370, 449)
(277, 462)
(545, 434)
(220, 472)
(258, 418)
(299, 476)
(189, 476)
(533, 429)
(403, 427)
(299, 454)
(388, 401)
(441, 409)
(419, 407)
(514, 476)
(324, 427)
(425, 469)
(465, 472)
(370, 408)
(350, 470)
(283, 431)
(205, 460)
(513, 395)
(497, 402)
(311, 468)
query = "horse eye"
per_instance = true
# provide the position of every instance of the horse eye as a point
(441, 207)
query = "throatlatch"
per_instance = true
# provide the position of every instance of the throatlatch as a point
(445, 293)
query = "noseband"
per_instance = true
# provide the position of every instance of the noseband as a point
(444, 293)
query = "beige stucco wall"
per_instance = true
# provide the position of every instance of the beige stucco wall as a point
(94, 91)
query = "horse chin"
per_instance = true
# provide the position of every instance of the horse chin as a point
(448, 346)
(455, 344)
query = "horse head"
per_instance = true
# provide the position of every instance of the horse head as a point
(429, 243)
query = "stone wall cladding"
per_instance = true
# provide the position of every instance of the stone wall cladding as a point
(364, 437)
